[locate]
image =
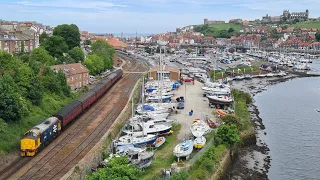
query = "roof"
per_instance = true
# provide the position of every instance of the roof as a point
(166, 68)
(71, 69)
(67, 109)
(116, 43)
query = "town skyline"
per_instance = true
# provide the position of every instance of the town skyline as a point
(153, 17)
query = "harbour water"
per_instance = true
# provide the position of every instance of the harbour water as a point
(291, 114)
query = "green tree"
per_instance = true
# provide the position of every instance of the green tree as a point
(65, 88)
(67, 59)
(94, 63)
(230, 30)
(87, 42)
(77, 54)
(70, 33)
(35, 91)
(117, 168)
(42, 56)
(43, 37)
(189, 50)
(230, 119)
(228, 134)
(318, 36)
(22, 77)
(22, 47)
(104, 51)
(11, 107)
(24, 58)
(35, 66)
(56, 46)
(223, 34)
(8, 63)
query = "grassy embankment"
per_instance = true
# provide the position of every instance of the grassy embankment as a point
(307, 25)
(163, 156)
(216, 29)
(11, 133)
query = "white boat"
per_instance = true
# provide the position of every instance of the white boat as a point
(220, 99)
(159, 142)
(158, 98)
(199, 142)
(144, 128)
(239, 78)
(155, 115)
(147, 108)
(270, 75)
(199, 128)
(183, 149)
(261, 75)
(136, 141)
(140, 159)
(280, 74)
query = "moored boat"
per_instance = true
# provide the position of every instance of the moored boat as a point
(199, 142)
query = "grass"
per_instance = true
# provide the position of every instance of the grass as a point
(11, 134)
(226, 26)
(208, 163)
(307, 25)
(163, 156)
(247, 69)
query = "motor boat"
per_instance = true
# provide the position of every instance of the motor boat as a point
(183, 149)
(199, 128)
(158, 98)
(281, 74)
(248, 77)
(261, 75)
(199, 142)
(220, 99)
(136, 141)
(154, 109)
(159, 142)
(140, 159)
(138, 129)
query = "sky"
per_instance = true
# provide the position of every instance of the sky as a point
(145, 16)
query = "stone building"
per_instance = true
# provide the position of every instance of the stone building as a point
(295, 15)
(206, 21)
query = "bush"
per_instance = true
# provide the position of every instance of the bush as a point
(230, 119)
(241, 96)
(182, 175)
(228, 134)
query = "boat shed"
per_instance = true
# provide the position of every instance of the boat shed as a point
(173, 73)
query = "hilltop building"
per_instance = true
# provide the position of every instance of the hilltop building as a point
(206, 21)
(295, 15)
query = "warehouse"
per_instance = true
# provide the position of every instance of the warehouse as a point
(167, 71)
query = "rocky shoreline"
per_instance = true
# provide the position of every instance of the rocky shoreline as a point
(252, 161)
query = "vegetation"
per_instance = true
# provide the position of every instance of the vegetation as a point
(43, 37)
(70, 34)
(101, 57)
(77, 54)
(315, 25)
(117, 168)
(223, 73)
(318, 36)
(228, 134)
(219, 30)
(182, 175)
(163, 156)
(29, 92)
(56, 46)
(207, 164)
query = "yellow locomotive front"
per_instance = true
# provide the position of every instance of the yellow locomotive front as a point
(30, 143)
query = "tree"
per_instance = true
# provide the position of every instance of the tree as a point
(94, 63)
(56, 46)
(295, 21)
(189, 50)
(77, 54)
(22, 78)
(8, 63)
(230, 119)
(24, 58)
(223, 34)
(43, 37)
(230, 30)
(117, 168)
(35, 91)
(228, 134)
(318, 36)
(104, 51)
(65, 88)
(67, 59)
(42, 56)
(70, 33)
(87, 42)
(11, 108)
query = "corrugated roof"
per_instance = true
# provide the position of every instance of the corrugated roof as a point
(116, 43)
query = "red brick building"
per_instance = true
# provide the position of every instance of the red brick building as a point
(77, 75)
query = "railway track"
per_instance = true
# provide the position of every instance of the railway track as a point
(76, 141)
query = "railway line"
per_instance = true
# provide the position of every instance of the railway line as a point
(76, 141)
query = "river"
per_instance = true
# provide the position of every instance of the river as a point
(290, 114)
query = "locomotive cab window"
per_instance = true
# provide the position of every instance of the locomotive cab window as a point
(30, 134)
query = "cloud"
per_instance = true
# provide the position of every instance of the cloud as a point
(73, 4)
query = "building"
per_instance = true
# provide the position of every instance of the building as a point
(236, 21)
(295, 15)
(206, 21)
(77, 75)
(117, 44)
(167, 71)
(14, 42)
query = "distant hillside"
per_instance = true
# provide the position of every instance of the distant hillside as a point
(308, 25)
(218, 30)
